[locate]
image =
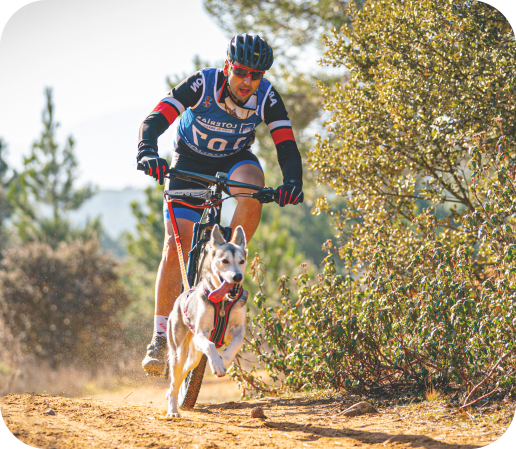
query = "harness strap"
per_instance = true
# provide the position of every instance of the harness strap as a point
(219, 325)
(218, 338)
(220, 322)
(179, 246)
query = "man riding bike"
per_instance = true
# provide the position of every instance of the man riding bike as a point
(219, 110)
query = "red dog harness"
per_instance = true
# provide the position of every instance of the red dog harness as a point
(221, 318)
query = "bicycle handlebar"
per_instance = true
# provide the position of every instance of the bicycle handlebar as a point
(262, 194)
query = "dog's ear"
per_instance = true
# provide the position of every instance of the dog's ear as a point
(239, 237)
(216, 237)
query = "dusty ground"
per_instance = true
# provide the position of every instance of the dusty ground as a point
(135, 418)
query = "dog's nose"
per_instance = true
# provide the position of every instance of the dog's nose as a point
(237, 277)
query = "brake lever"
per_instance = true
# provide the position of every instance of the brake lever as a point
(266, 195)
(174, 173)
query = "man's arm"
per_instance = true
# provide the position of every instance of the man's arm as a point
(184, 95)
(276, 119)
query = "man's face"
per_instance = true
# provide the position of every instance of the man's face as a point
(242, 87)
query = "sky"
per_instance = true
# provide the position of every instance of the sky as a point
(107, 62)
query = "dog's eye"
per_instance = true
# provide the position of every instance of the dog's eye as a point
(225, 261)
(242, 262)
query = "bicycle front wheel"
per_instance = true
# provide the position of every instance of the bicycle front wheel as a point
(189, 389)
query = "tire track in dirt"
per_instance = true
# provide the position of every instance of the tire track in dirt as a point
(290, 423)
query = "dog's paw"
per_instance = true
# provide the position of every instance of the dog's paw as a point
(172, 415)
(217, 367)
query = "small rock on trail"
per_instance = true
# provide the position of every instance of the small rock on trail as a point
(257, 412)
(361, 408)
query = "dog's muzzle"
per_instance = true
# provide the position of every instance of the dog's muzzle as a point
(234, 292)
(236, 288)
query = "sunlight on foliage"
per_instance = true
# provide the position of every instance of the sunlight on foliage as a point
(421, 146)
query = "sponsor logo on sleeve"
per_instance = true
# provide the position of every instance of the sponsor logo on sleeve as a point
(271, 97)
(196, 84)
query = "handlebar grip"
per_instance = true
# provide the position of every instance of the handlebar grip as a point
(170, 171)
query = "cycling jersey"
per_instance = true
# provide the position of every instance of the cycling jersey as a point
(213, 129)
(209, 127)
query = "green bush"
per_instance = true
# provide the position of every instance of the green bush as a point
(379, 334)
(420, 145)
(424, 77)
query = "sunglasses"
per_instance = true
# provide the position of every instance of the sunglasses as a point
(242, 73)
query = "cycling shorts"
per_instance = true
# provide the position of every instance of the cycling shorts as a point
(190, 163)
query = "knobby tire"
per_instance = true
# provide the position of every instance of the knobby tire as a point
(189, 389)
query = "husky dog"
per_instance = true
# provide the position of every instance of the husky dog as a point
(191, 322)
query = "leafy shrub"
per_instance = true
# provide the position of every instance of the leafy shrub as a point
(426, 237)
(62, 305)
(380, 333)
(424, 77)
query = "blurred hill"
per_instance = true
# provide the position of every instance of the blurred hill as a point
(114, 208)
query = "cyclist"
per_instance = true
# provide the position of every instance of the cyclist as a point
(218, 111)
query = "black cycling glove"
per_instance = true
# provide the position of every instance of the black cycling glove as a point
(155, 166)
(290, 193)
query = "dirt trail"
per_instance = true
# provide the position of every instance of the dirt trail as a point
(109, 421)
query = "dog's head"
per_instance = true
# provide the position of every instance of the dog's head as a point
(227, 260)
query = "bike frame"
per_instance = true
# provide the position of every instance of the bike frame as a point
(202, 230)
(212, 212)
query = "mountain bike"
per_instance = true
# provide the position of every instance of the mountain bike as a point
(212, 208)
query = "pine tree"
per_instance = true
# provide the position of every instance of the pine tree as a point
(146, 245)
(6, 208)
(48, 179)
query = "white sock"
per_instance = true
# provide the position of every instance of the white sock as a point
(160, 324)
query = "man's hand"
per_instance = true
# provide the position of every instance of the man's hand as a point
(290, 193)
(156, 167)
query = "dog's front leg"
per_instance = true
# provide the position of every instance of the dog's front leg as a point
(236, 344)
(203, 344)
(194, 357)
(177, 361)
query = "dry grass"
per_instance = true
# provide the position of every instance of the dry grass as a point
(432, 395)
(69, 381)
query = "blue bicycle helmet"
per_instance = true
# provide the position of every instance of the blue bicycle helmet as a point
(251, 50)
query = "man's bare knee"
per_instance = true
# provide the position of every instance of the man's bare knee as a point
(170, 251)
(169, 248)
